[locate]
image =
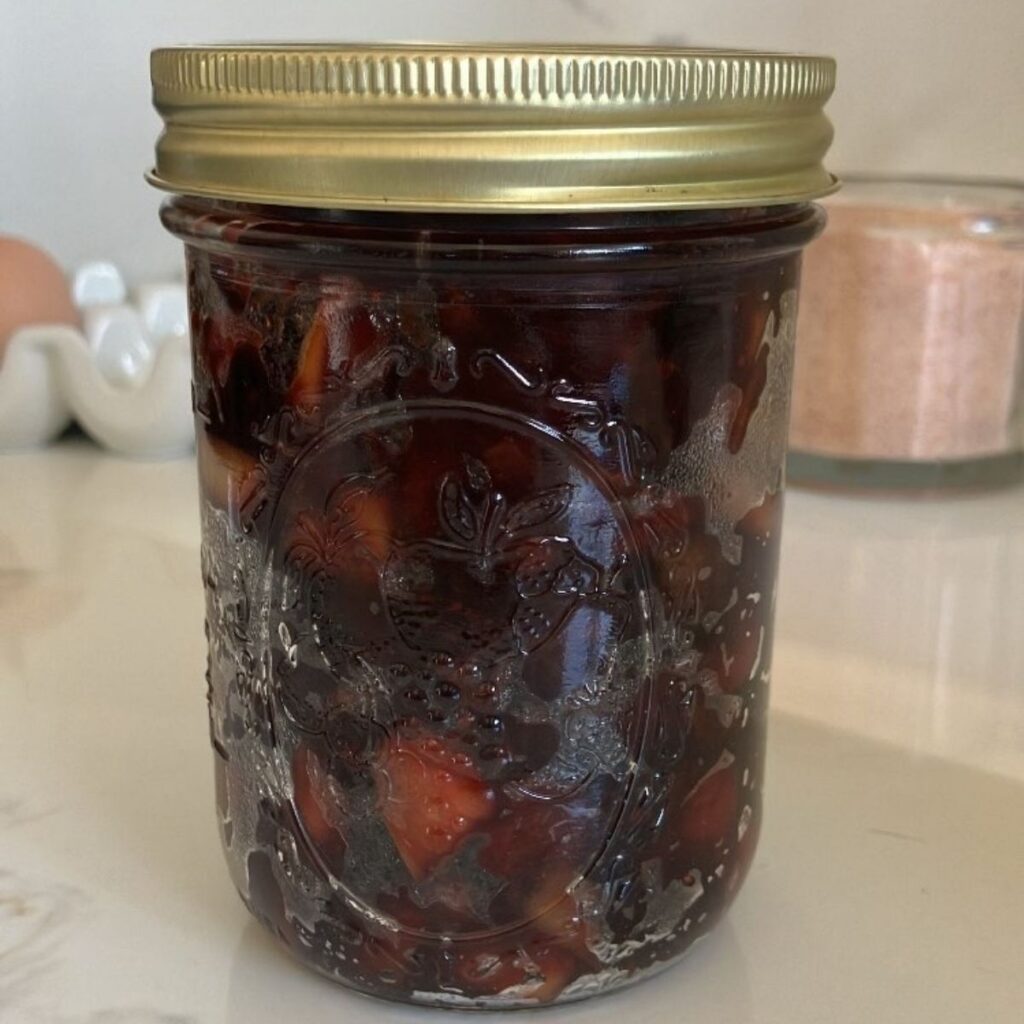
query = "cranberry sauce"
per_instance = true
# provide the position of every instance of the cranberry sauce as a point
(491, 514)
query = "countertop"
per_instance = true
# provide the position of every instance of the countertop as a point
(889, 885)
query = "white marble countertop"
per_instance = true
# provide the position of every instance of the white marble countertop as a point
(889, 885)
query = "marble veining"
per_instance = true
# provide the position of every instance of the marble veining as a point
(588, 12)
(34, 916)
(15, 812)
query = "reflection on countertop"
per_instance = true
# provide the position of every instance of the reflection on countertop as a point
(904, 620)
(888, 884)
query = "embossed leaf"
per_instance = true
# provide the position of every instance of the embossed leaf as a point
(578, 577)
(309, 549)
(346, 500)
(541, 564)
(532, 626)
(457, 512)
(477, 475)
(537, 620)
(538, 510)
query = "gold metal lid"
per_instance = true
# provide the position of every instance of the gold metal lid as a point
(491, 128)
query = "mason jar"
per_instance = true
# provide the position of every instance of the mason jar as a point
(492, 361)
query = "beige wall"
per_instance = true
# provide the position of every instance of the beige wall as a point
(925, 85)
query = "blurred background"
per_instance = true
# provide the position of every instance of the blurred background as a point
(923, 86)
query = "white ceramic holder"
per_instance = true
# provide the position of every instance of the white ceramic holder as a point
(125, 376)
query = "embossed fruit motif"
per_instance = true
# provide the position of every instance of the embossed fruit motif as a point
(491, 518)
(494, 584)
(497, 584)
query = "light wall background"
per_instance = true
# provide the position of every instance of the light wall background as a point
(933, 86)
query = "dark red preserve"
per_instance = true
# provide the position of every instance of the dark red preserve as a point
(490, 508)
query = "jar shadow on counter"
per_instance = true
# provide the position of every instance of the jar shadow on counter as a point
(268, 986)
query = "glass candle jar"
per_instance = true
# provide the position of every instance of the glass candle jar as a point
(491, 503)
(911, 372)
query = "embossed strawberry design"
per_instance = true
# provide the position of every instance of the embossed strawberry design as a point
(493, 584)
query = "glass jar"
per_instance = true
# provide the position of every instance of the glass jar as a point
(911, 369)
(491, 507)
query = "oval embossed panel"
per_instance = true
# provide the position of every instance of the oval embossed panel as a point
(460, 650)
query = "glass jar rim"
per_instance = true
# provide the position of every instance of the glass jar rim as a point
(927, 188)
